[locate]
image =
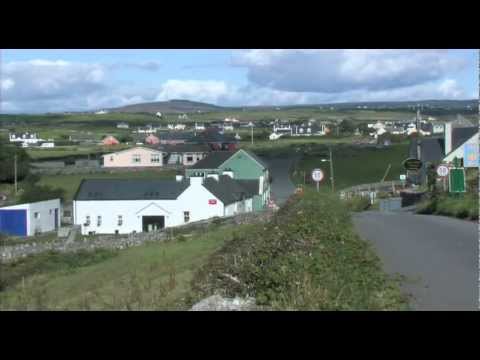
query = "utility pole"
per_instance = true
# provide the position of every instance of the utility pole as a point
(251, 127)
(331, 171)
(15, 172)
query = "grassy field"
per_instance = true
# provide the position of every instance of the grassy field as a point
(155, 276)
(352, 165)
(70, 183)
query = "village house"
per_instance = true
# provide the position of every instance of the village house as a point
(31, 218)
(110, 140)
(174, 138)
(242, 165)
(215, 139)
(134, 157)
(122, 125)
(185, 154)
(461, 141)
(152, 140)
(122, 206)
(25, 138)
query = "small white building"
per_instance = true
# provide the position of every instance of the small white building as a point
(227, 127)
(109, 206)
(25, 138)
(180, 127)
(30, 218)
(199, 127)
(122, 125)
(48, 144)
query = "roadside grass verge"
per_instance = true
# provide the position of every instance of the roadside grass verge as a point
(154, 276)
(464, 206)
(307, 258)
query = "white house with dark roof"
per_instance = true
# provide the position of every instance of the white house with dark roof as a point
(109, 206)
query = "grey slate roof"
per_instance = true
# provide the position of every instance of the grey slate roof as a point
(213, 160)
(251, 186)
(461, 135)
(227, 189)
(185, 148)
(129, 189)
(174, 135)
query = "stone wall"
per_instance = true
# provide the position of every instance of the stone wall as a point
(9, 253)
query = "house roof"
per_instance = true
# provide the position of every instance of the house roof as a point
(130, 189)
(260, 161)
(185, 148)
(432, 149)
(132, 149)
(461, 135)
(170, 135)
(213, 160)
(251, 186)
(210, 136)
(227, 189)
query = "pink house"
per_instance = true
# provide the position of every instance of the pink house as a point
(134, 157)
(152, 140)
(110, 140)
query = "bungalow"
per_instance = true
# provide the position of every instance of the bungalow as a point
(122, 206)
(134, 157)
(110, 140)
(461, 143)
(122, 125)
(152, 140)
(215, 139)
(25, 138)
(243, 165)
(185, 154)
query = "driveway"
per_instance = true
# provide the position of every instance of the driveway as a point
(282, 187)
(438, 256)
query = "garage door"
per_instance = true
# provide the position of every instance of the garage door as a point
(13, 222)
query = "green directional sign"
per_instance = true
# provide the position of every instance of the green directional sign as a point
(457, 180)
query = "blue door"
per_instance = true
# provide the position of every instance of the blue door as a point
(13, 222)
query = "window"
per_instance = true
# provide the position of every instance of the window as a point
(155, 158)
(186, 216)
(99, 220)
(36, 215)
(136, 158)
(67, 213)
(87, 220)
(111, 158)
(189, 158)
(120, 220)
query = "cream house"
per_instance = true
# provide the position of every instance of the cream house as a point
(134, 157)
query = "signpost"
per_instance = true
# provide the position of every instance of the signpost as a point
(317, 176)
(457, 180)
(412, 164)
(442, 171)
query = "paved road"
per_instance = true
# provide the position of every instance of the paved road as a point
(438, 255)
(282, 187)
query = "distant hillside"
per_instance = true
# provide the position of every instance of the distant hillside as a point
(171, 106)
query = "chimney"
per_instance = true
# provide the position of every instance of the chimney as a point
(215, 176)
(448, 137)
(228, 173)
(179, 178)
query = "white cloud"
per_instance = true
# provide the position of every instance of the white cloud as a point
(336, 71)
(208, 91)
(7, 84)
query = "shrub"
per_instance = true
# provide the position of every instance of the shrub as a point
(33, 193)
(358, 203)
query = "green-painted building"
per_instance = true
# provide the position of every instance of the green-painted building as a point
(241, 165)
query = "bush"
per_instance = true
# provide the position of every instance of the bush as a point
(462, 207)
(33, 193)
(358, 203)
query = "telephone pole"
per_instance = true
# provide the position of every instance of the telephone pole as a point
(331, 171)
(251, 127)
(15, 172)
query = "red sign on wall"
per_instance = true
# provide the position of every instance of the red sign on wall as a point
(212, 202)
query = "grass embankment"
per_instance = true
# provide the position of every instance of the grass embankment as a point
(352, 165)
(154, 276)
(462, 206)
(307, 258)
(70, 183)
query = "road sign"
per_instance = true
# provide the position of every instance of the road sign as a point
(457, 180)
(470, 156)
(442, 170)
(317, 175)
(412, 164)
(403, 177)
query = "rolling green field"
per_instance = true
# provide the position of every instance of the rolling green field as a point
(70, 183)
(64, 151)
(148, 277)
(352, 165)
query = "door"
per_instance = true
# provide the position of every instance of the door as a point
(56, 219)
(152, 223)
(13, 222)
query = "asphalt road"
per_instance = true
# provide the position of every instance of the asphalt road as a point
(438, 256)
(282, 187)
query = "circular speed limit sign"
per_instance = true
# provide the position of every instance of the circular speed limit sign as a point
(442, 170)
(317, 175)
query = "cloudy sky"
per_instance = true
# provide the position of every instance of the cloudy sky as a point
(33, 81)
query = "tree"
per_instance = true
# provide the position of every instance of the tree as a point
(125, 138)
(7, 163)
(347, 126)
